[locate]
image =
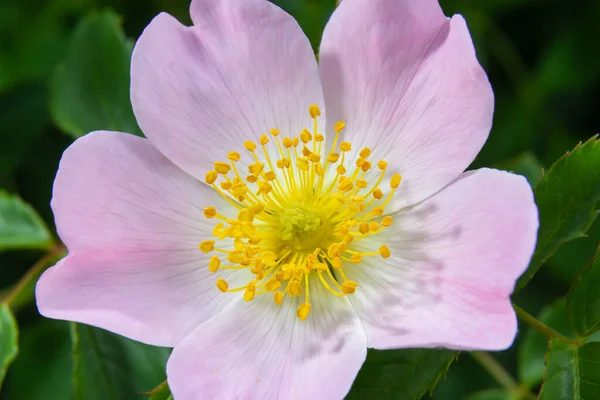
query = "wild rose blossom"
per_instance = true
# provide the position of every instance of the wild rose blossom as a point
(283, 215)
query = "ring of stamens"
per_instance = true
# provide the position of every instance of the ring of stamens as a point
(294, 221)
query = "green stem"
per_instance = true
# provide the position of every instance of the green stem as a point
(495, 369)
(541, 327)
(501, 375)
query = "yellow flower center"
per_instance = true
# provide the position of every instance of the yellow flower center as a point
(299, 213)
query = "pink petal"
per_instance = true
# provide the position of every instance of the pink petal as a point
(132, 222)
(199, 92)
(261, 351)
(455, 259)
(406, 81)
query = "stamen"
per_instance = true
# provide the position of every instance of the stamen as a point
(289, 208)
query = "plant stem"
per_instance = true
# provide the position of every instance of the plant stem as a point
(12, 297)
(501, 375)
(541, 327)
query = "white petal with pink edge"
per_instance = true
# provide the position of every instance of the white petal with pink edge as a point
(259, 351)
(407, 82)
(132, 222)
(454, 262)
(244, 68)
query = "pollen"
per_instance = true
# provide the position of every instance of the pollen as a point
(296, 211)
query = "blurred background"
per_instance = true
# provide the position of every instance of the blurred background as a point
(542, 57)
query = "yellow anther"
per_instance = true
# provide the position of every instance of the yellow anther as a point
(221, 167)
(360, 161)
(251, 179)
(361, 183)
(249, 145)
(219, 231)
(233, 156)
(211, 177)
(235, 256)
(249, 295)
(214, 264)
(366, 166)
(349, 287)
(274, 131)
(303, 311)
(366, 152)
(320, 267)
(278, 297)
(356, 258)
(382, 165)
(384, 251)
(306, 152)
(378, 194)
(222, 285)
(256, 168)
(373, 226)
(287, 142)
(378, 211)
(314, 110)
(340, 170)
(302, 164)
(264, 139)
(319, 137)
(351, 222)
(314, 157)
(239, 190)
(210, 212)
(339, 126)
(395, 181)
(257, 209)
(333, 157)
(333, 250)
(387, 221)
(283, 163)
(336, 262)
(270, 176)
(318, 169)
(272, 285)
(295, 141)
(363, 228)
(348, 238)
(268, 257)
(294, 288)
(226, 185)
(207, 246)
(346, 185)
(345, 146)
(245, 215)
(305, 136)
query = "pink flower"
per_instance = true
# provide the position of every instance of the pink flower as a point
(328, 237)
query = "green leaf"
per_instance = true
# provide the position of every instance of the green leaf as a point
(572, 373)
(533, 349)
(90, 90)
(30, 55)
(20, 226)
(23, 116)
(400, 374)
(161, 392)
(566, 198)
(108, 366)
(527, 165)
(46, 343)
(583, 301)
(493, 394)
(8, 340)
